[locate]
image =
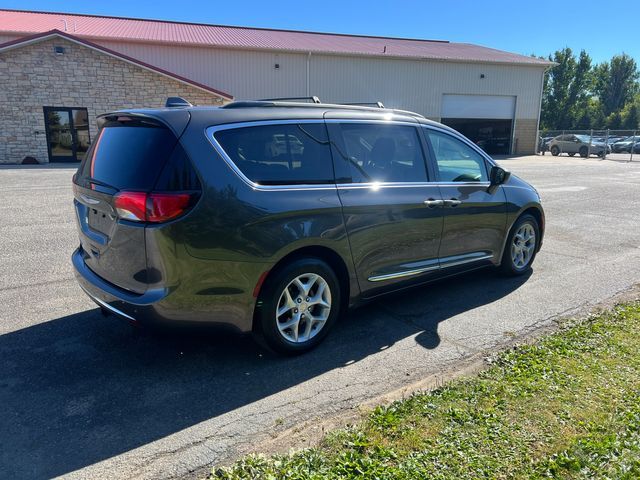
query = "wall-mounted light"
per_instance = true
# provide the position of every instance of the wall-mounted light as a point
(482, 75)
(58, 50)
(276, 66)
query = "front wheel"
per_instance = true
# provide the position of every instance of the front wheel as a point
(299, 304)
(521, 247)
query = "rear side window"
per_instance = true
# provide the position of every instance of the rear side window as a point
(282, 154)
(382, 153)
(128, 156)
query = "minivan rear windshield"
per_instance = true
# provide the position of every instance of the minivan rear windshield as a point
(128, 156)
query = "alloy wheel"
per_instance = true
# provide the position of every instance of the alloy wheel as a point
(303, 308)
(523, 246)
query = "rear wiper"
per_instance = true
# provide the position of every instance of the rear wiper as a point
(98, 182)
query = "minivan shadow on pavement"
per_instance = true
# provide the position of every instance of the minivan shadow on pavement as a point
(84, 388)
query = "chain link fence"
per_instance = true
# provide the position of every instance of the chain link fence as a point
(621, 145)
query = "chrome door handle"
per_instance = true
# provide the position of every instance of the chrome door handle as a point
(452, 202)
(432, 202)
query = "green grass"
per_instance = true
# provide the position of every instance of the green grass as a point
(565, 407)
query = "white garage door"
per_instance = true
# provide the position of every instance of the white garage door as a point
(478, 106)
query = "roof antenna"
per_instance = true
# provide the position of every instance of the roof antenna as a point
(173, 102)
(65, 24)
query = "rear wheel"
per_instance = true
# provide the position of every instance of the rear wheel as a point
(584, 152)
(521, 247)
(555, 151)
(299, 304)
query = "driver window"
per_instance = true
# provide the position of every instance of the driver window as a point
(456, 161)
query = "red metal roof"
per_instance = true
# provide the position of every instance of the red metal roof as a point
(140, 30)
(56, 33)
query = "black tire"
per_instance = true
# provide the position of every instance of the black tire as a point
(584, 152)
(507, 266)
(266, 318)
(555, 151)
(572, 154)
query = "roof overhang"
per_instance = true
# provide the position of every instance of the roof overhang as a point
(39, 37)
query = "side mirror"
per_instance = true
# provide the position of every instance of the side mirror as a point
(498, 175)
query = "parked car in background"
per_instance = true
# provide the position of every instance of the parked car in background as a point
(543, 144)
(624, 145)
(273, 217)
(578, 144)
(494, 144)
(612, 140)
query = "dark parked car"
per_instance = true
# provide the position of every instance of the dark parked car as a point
(272, 217)
(625, 144)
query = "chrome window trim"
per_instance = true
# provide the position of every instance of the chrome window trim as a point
(211, 131)
(377, 186)
(418, 271)
(210, 134)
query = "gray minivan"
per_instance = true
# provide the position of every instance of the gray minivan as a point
(273, 217)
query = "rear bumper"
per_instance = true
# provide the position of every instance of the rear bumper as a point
(164, 306)
(128, 305)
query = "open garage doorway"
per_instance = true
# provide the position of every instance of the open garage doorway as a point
(492, 135)
(486, 120)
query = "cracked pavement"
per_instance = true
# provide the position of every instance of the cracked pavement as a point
(85, 396)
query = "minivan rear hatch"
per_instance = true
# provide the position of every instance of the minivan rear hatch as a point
(125, 182)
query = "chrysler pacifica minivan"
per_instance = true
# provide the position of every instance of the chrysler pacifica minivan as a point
(273, 217)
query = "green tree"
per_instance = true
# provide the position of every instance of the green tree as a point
(614, 121)
(616, 83)
(566, 90)
(631, 118)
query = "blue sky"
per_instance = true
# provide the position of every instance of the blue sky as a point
(521, 26)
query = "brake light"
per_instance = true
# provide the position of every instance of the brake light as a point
(131, 206)
(165, 206)
(151, 207)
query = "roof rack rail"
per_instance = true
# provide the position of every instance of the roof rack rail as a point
(313, 99)
(365, 104)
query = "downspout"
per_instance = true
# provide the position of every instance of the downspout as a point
(308, 80)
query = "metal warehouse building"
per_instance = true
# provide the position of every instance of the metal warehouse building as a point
(58, 71)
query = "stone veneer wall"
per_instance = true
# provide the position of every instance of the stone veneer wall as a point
(526, 136)
(33, 76)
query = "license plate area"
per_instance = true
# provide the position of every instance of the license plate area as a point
(99, 221)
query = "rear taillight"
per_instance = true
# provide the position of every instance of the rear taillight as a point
(165, 206)
(152, 207)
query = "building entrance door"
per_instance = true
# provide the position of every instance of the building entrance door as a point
(67, 133)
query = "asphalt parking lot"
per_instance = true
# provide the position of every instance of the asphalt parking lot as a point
(91, 397)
